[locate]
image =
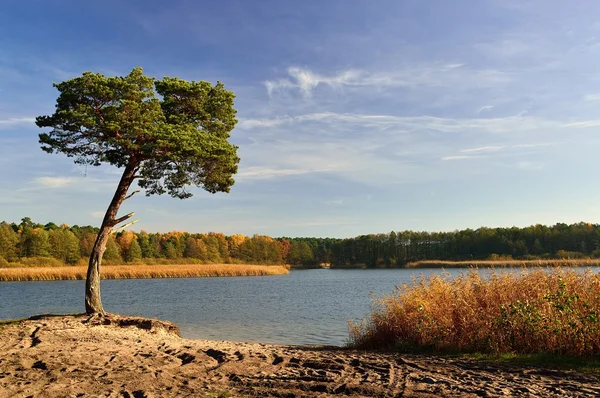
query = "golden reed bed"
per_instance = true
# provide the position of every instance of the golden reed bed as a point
(586, 262)
(139, 271)
(535, 311)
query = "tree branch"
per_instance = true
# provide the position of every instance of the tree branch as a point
(131, 194)
(125, 225)
(120, 220)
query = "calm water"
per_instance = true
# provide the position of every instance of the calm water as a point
(303, 307)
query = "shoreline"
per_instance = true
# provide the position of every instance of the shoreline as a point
(129, 356)
(442, 264)
(164, 271)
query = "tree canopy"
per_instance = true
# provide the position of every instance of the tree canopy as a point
(174, 141)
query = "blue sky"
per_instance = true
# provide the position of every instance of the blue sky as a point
(355, 117)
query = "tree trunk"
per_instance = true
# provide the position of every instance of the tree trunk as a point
(93, 301)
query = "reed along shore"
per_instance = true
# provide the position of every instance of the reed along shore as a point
(139, 271)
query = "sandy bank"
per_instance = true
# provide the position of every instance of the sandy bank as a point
(69, 357)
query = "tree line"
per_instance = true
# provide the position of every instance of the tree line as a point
(72, 245)
(579, 240)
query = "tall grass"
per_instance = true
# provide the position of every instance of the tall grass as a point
(139, 271)
(587, 262)
(535, 311)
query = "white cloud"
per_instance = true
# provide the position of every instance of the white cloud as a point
(491, 125)
(431, 75)
(527, 165)
(260, 173)
(380, 148)
(306, 80)
(452, 66)
(496, 148)
(592, 97)
(584, 124)
(483, 149)
(459, 157)
(12, 121)
(258, 123)
(97, 214)
(484, 108)
(54, 182)
(535, 145)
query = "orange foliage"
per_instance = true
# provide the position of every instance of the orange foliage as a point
(124, 240)
(285, 248)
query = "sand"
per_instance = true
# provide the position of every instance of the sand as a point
(73, 356)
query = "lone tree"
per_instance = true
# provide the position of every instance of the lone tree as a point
(166, 143)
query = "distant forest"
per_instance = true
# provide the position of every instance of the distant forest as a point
(30, 243)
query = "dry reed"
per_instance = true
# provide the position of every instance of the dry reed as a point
(139, 272)
(535, 311)
(587, 262)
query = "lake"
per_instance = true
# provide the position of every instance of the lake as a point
(302, 307)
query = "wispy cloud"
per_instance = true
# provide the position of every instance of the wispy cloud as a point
(485, 108)
(536, 145)
(592, 97)
(458, 157)
(12, 121)
(451, 66)
(54, 182)
(378, 149)
(529, 165)
(483, 149)
(583, 124)
(260, 173)
(305, 80)
(259, 123)
(69, 184)
(492, 125)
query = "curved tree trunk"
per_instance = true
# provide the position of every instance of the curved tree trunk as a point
(93, 301)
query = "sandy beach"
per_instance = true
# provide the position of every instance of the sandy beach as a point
(73, 356)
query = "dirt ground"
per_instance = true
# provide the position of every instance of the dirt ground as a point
(133, 357)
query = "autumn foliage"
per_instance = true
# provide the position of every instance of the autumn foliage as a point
(31, 244)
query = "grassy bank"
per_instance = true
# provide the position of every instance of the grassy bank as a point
(532, 312)
(588, 262)
(139, 271)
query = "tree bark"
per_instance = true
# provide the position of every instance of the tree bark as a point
(93, 301)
